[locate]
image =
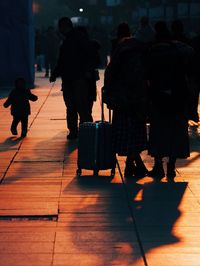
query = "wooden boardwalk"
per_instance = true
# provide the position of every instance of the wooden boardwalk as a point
(50, 217)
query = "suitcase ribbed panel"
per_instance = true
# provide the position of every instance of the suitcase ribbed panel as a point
(95, 146)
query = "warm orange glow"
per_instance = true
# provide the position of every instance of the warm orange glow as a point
(193, 123)
(36, 7)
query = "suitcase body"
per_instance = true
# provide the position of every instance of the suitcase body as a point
(95, 147)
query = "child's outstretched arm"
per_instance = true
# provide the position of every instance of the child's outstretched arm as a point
(8, 102)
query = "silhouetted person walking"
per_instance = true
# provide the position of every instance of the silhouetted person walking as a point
(20, 106)
(169, 94)
(73, 66)
(125, 94)
(123, 31)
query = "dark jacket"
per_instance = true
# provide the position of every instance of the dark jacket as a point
(73, 57)
(168, 64)
(124, 82)
(19, 101)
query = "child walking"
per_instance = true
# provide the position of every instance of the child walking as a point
(18, 99)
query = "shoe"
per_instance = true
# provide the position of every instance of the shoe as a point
(157, 171)
(141, 171)
(72, 136)
(14, 131)
(23, 135)
(171, 172)
(130, 169)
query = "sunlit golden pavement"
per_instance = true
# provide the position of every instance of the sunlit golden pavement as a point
(49, 216)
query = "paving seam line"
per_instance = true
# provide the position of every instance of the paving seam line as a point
(11, 161)
(132, 216)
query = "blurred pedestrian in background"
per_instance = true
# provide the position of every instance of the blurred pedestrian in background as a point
(51, 48)
(39, 51)
(145, 33)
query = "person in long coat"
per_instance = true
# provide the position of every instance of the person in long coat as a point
(168, 63)
(125, 94)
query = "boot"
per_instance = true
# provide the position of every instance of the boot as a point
(171, 172)
(141, 170)
(130, 169)
(13, 129)
(157, 171)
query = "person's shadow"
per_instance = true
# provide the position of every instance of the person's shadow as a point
(156, 211)
(138, 217)
(35, 161)
(11, 143)
(8, 150)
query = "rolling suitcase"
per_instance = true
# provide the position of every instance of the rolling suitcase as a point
(95, 146)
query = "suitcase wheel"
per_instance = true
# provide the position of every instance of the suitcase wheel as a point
(78, 172)
(112, 172)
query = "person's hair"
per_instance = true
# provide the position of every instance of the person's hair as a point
(123, 30)
(162, 31)
(65, 21)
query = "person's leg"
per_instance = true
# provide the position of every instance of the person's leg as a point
(157, 170)
(46, 61)
(52, 64)
(90, 108)
(92, 92)
(130, 167)
(81, 89)
(194, 101)
(171, 172)
(14, 125)
(135, 166)
(24, 122)
(141, 168)
(39, 62)
(71, 113)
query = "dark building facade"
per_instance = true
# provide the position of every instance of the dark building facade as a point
(111, 12)
(17, 42)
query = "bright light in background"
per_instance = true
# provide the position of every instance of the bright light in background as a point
(36, 7)
(81, 10)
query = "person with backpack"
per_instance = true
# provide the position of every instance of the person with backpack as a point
(168, 67)
(125, 93)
